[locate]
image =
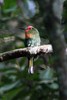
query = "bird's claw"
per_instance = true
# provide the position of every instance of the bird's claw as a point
(33, 50)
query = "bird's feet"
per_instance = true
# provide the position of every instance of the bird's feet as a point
(33, 50)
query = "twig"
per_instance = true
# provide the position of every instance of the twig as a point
(25, 52)
(3, 31)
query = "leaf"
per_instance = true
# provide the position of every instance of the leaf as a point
(47, 74)
(9, 3)
(11, 94)
(12, 9)
(8, 87)
(54, 86)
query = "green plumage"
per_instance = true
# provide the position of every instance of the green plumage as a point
(31, 42)
(34, 40)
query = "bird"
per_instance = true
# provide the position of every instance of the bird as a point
(32, 38)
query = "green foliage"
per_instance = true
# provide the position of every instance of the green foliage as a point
(18, 84)
(9, 3)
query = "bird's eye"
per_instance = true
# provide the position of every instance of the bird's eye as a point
(29, 27)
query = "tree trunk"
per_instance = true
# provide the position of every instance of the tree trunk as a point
(54, 9)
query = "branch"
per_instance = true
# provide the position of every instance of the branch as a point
(14, 32)
(25, 52)
(9, 32)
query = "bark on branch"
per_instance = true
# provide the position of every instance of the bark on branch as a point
(31, 51)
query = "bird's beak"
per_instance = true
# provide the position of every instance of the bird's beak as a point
(22, 28)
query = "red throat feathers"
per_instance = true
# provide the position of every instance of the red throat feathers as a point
(28, 35)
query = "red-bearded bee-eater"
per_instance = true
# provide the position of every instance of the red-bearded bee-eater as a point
(32, 39)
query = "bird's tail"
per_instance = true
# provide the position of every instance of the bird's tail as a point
(30, 65)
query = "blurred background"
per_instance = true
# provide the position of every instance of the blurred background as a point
(15, 82)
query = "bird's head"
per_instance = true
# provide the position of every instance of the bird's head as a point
(28, 32)
(28, 29)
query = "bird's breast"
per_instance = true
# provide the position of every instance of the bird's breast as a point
(28, 35)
